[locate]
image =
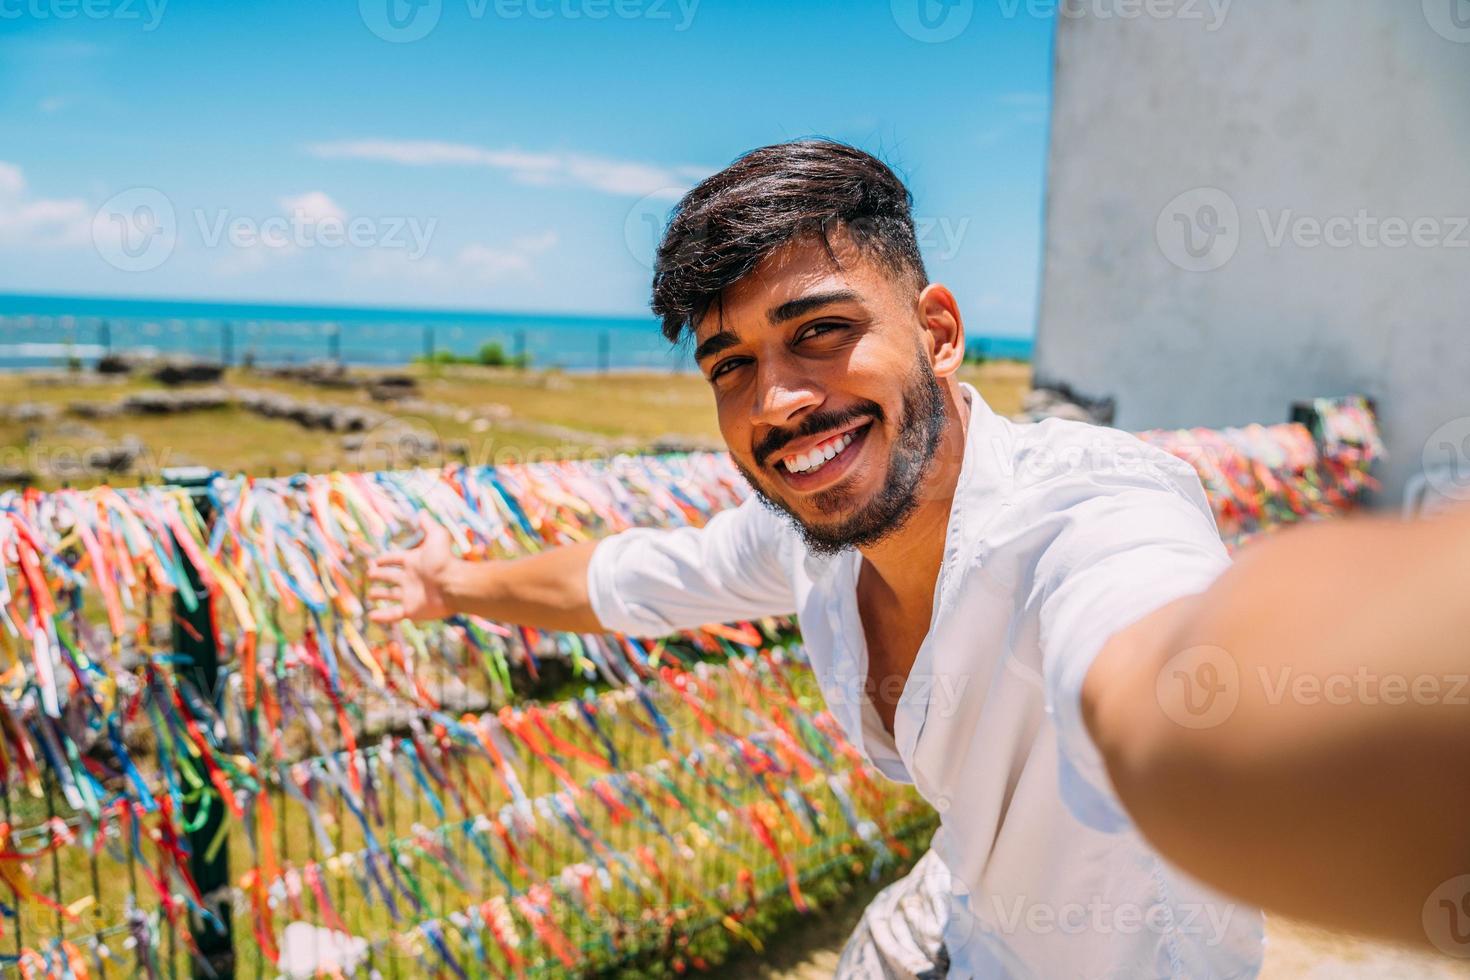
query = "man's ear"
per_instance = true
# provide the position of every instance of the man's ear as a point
(939, 315)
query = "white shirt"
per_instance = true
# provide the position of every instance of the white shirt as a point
(1060, 534)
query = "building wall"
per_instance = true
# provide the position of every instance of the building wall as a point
(1306, 110)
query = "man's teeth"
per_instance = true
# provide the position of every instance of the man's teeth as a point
(817, 458)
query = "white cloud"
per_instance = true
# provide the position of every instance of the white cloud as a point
(52, 103)
(312, 207)
(39, 222)
(629, 178)
(12, 181)
(488, 264)
(474, 264)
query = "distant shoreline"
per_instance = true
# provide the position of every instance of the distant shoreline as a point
(49, 331)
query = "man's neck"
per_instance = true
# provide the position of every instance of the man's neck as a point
(905, 566)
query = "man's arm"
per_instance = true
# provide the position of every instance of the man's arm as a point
(547, 590)
(1298, 735)
(646, 582)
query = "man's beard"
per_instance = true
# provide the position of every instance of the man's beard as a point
(919, 433)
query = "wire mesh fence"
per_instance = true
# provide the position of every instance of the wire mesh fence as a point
(210, 764)
(364, 338)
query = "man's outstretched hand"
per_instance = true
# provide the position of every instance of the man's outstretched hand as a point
(411, 584)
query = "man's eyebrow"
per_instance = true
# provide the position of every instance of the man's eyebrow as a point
(715, 343)
(793, 308)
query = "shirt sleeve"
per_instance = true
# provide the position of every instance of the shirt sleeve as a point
(1126, 543)
(654, 581)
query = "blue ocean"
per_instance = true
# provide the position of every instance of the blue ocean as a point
(49, 331)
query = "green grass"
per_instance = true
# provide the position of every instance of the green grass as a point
(496, 415)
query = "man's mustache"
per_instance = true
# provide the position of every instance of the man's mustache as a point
(775, 440)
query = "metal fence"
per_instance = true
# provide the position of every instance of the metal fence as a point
(572, 343)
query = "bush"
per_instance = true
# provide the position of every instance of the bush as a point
(493, 355)
(489, 355)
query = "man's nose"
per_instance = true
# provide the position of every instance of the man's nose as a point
(782, 395)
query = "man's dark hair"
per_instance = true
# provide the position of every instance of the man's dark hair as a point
(723, 228)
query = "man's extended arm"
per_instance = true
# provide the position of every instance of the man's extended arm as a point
(645, 582)
(546, 591)
(1298, 735)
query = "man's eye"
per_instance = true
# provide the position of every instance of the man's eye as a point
(725, 367)
(817, 329)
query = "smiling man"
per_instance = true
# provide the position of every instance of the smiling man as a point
(998, 612)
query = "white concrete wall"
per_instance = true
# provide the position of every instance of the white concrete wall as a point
(1306, 110)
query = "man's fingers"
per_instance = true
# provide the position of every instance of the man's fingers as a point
(386, 614)
(384, 595)
(390, 574)
(388, 559)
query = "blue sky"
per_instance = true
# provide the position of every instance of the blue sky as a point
(516, 156)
